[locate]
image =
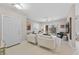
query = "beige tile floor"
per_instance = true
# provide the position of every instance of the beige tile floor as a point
(26, 48)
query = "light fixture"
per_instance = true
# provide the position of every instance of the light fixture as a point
(21, 6)
(18, 6)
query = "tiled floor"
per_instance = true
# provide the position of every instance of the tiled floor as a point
(26, 48)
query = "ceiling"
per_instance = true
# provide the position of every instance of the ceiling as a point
(48, 10)
(43, 11)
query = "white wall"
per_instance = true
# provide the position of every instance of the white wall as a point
(71, 14)
(5, 11)
(77, 18)
(59, 23)
(77, 26)
(36, 26)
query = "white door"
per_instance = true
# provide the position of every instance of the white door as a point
(11, 30)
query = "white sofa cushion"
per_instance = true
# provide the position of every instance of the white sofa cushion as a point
(31, 38)
(45, 41)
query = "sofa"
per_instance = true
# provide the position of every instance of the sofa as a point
(45, 41)
(31, 38)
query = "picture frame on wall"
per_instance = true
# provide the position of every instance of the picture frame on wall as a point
(29, 27)
(62, 26)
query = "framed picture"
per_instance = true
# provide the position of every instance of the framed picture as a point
(29, 27)
(62, 26)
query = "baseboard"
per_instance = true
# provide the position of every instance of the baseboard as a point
(31, 43)
(13, 45)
